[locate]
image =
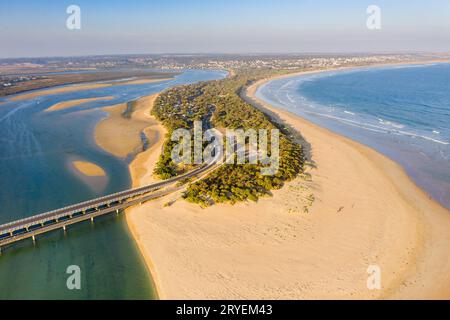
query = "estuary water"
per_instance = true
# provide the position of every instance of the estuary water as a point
(402, 111)
(36, 149)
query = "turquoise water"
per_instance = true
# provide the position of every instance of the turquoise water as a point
(35, 149)
(403, 112)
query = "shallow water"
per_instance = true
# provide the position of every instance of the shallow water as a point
(35, 152)
(403, 112)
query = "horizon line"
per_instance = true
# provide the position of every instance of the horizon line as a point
(299, 53)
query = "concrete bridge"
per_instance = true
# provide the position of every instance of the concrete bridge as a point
(60, 218)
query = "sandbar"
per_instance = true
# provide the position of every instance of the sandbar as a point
(122, 136)
(72, 103)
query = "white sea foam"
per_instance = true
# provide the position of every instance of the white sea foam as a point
(296, 101)
(287, 85)
(423, 137)
(390, 123)
(290, 98)
(380, 128)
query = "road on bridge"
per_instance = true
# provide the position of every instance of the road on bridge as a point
(59, 218)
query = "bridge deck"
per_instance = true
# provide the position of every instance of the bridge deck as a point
(79, 218)
(59, 218)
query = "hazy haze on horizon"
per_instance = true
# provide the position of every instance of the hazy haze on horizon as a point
(38, 28)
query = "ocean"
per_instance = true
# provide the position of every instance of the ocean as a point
(400, 111)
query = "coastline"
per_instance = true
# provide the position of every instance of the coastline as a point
(202, 253)
(414, 168)
(428, 213)
(141, 172)
(356, 67)
(141, 167)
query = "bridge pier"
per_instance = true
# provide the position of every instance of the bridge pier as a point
(13, 231)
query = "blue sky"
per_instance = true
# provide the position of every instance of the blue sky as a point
(38, 28)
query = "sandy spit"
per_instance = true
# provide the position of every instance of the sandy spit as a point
(72, 103)
(121, 135)
(366, 212)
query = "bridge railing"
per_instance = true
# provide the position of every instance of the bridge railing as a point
(51, 215)
(89, 204)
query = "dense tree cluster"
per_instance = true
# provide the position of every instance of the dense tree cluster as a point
(219, 102)
(177, 108)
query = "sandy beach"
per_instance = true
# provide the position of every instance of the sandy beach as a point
(366, 212)
(64, 89)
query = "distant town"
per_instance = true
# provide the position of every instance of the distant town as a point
(23, 74)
